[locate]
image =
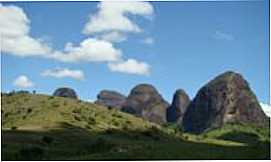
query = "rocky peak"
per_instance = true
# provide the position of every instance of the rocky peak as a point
(111, 99)
(145, 101)
(178, 106)
(225, 99)
(65, 92)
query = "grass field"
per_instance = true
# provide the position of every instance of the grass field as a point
(40, 127)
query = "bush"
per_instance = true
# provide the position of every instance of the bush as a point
(115, 123)
(47, 139)
(51, 97)
(31, 153)
(153, 133)
(117, 115)
(91, 121)
(77, 118)
(76, 111)
(29, 110)
(13, 128)
(128, 122)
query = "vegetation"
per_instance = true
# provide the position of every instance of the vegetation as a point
(39, 127)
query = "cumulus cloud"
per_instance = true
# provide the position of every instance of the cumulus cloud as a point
(113, 36)
(15, 27)
(114, 16)
(22, 81)
(64, 72)
(14, 32)
(223, 36)
(111, 22)
(89, 50)
(266, 108)
(131, 66)
(148, 40)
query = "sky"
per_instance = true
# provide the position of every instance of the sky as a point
(91, 46)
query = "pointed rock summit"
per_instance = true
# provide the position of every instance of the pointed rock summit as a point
(226, 99)
(178, 106)
(145, 101)
(65, 92)
(111, 99)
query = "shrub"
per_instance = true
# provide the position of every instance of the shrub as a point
(51, 97)
(77, 118)
(29, 110)
(76, 111)
(186, 137)
(117, 115)
(31, 153)
(116, 123)
(128, 122)
(13, 128)
(91, 120)
(109, 131)
(47, 139)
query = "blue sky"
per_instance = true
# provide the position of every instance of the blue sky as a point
(168, 44)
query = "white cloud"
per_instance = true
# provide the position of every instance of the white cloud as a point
(148, 40)
(110, 25)
(113, 36)
(22, 81)
(64, 72)
(223, 36)
(131, 66)
(15, 27)
(112, 16)
(89, 50)
(266, 108)
(14, 33)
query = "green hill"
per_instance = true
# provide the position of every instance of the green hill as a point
(40, 127)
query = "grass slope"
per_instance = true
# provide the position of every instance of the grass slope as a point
(40, 127)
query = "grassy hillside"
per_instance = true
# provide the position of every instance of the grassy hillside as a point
(40, 127)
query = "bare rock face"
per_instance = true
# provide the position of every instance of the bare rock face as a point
(178, 107)
(226, 99)
(65, 92)
(145, 101)
(111, 99)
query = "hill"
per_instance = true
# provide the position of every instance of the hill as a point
(41, 127)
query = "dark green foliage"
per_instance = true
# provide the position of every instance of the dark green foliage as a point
(76, 117)
(91, 120)
(47, 139)
(51, 97)
(115, 122)
(101, 145)
(13, 128)
(117, 115)
(31, 153)
(77, 111)
(29, 110)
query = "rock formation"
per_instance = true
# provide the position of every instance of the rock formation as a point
(111, 99)
(145, 101)
(178, 106)
(226, 99)
(65, 92)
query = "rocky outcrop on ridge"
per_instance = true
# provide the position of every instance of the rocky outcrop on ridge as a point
(226, 99)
